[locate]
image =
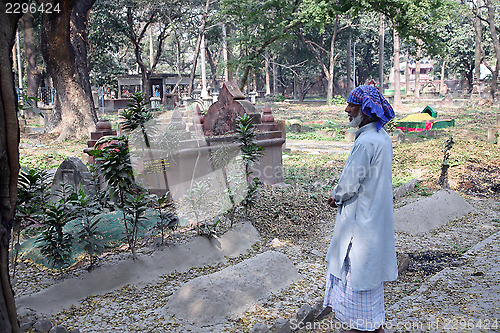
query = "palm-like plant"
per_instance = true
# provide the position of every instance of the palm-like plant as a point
(136, 116)
(55, 243)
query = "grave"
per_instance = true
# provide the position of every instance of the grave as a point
(73, 172)
(431, 212)
(210, 299)
(493, 132)
(192, 159)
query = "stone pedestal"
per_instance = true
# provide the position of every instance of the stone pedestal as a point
(492, 132)
(103, 128)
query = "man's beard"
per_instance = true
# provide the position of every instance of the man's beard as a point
(355, 122)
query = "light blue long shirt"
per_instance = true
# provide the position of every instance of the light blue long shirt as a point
(365, 212)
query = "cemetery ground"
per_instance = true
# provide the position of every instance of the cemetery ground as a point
(296, 221)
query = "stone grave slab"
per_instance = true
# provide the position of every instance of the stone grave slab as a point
(210, 299)
(431, 212)
(199, 251)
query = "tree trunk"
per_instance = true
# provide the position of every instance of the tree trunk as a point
(496, 45)
(407, 73)
(477, 52)
(397, 72)
(348, 64)
(268, 75)
(64, 50)
(201, 32)
(32, 73)
(417, 73)
(225, 52)
(9, 165)
(442, 89)
(275, 78)
(381, 55)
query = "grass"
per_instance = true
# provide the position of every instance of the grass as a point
(419, 156)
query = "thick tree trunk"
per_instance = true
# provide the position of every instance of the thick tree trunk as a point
(9, 165)
(496, 45)
(32, 73)
(65, 53)
(397, 72)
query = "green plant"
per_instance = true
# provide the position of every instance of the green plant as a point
(136, 116)
(163, 206)
(32, 194)
(337, 100)
(89, 235)
(114, 164)
(195, 196)
(250, 152)
(279, 98)
(390, 126)
(54, 243)
(134, 210)
(443, 178)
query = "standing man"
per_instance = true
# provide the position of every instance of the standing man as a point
(362, 252)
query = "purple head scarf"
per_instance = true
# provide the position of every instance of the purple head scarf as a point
(372, 103)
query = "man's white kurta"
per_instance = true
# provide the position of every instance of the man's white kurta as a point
(365, 214)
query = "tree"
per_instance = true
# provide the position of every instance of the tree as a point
(64, 49)
(397, 72)
(135, 19)
(33, 74)
(9, 164)
(257, 25)
(329, 65)
(496, 45)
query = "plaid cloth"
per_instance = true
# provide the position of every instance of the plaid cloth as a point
(360, 310)
(372, 103)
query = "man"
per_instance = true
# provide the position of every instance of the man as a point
(362, 251)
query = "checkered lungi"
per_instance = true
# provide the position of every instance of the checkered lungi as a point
(360, 310)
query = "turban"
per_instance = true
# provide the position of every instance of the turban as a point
(372, 103)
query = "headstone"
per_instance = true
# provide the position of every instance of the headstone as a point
(259, 328)
(492, 133)
(221, 116)
(403, 262)
(253, 96)
(210, 299)
(58, 329)
(399, 136)
(296, 128)
(281, 326)
(404, 189)
(305, 314)
(43, 325)
(72, 171)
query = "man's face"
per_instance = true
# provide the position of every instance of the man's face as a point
(355, 114)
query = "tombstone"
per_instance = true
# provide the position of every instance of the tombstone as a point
(221, 116)
(492, 134)
(73, 172)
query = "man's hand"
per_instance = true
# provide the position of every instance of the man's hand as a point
(331, 202)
